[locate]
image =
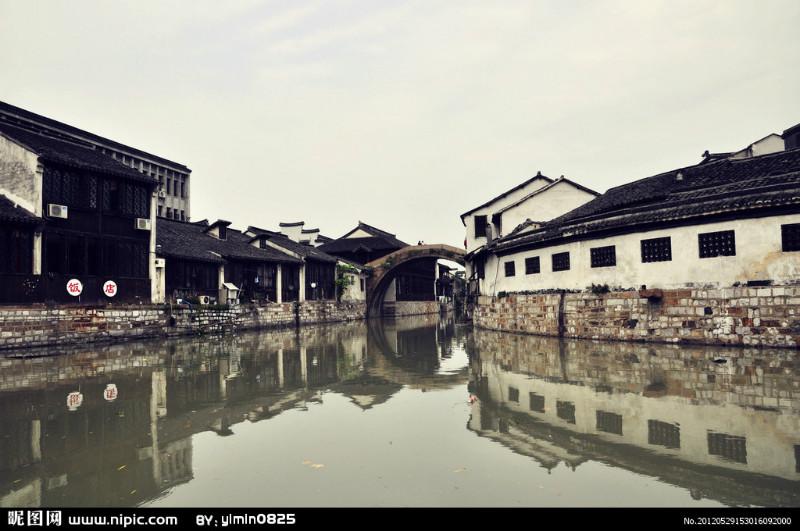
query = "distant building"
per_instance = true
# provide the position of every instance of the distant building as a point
(173, 178)
(201, 258)
(733, 218)
(525, 207)
(69, 213)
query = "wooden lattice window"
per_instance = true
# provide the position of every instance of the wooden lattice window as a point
(657, 250)
(510, 269)
(728, 446)
(663, 434)
(790, 237)
(721, 243)
(561, 261)
(536, 402)
(532, 265)
(604, 256)
(609, 422)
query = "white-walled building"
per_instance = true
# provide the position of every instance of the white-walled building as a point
(733, 218)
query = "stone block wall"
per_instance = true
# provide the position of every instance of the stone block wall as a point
(415, 307)
(40, 327)
(753, 316)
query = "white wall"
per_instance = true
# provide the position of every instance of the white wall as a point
(20, 176)
(473, 242)
(758, 257)
(353, 292)
(551, 203)
(360, 233)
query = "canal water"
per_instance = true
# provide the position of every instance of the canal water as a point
(419, 411)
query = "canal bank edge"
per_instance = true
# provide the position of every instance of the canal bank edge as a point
(22, 327)
(738, 316)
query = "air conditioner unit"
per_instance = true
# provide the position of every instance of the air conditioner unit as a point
(159, 263)
(57, 211)
(205, 299)
(142, 223)
(162, 194)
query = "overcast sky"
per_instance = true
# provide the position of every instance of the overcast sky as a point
(404, 114)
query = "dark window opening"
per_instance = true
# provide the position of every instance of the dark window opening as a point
(790, 237)
(604, 256)
(497, 221)
(727, 446)
(663, 434)
(481, 266)
(480, 226)
(566, 411)
(561, 261)
(222, 231)
(532, 265)
(510, 269)
(609, 422)
(536, 402)
(513, 394)
(722, 243)
(657, 250)
(361, 283)
(16, 251)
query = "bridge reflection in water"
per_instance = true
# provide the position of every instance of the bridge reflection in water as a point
(228, 420)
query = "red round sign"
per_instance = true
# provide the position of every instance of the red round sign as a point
(74, 287)
(110, 288)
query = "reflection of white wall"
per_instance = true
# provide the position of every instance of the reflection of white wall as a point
(771, 436)
(758, 256)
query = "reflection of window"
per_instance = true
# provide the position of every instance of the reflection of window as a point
(513, 394)
(536, 402)
(663, 434)
(609, 422)
(566, 411)
(728, 446)
(797, 457)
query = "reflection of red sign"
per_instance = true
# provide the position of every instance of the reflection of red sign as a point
(111, 392)
(74, 287)
(74, 400)
(110, 288)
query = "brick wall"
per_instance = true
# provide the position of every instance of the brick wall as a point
(766, 316)
(32, 327)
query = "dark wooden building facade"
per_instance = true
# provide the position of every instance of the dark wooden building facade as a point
(94, 217)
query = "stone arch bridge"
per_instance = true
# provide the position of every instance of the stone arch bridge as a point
(384, 269)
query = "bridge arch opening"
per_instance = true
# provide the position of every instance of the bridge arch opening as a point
(387, 268)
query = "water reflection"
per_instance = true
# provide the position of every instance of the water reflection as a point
(381, 408)
(65, 440)
(728, 429)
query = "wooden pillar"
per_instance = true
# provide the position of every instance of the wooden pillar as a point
(278, 284)
(301, 289)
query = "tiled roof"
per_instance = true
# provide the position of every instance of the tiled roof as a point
(372, 243)
(377, 233)
(11, 212)
(71, 154)
(517, 187)
(182, 239)
(281, 240)
(727, 187)
(13, 112)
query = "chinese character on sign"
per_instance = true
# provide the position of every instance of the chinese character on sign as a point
(53, 518)
(35, 518)
(74, 287)
(110, 288)
(74, 400)
(16, 518)
(110, 393)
